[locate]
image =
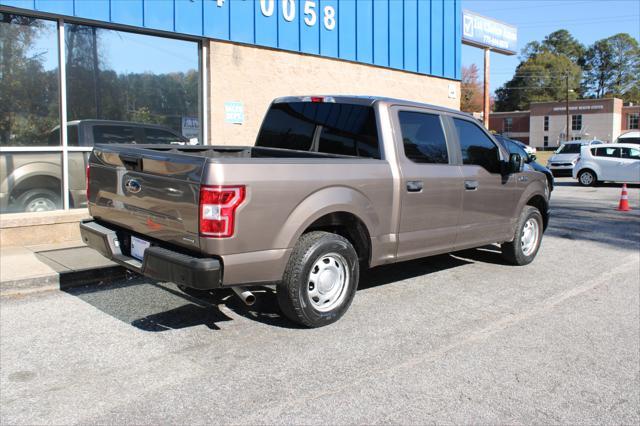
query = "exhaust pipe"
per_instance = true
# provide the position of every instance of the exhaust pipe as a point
(247, 297)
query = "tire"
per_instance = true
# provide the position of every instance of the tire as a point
(39, 200)
(320, 280)
(521, 251)
(587, 178)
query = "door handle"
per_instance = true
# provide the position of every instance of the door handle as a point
(523, 179)
(470, 185)
(414, 185)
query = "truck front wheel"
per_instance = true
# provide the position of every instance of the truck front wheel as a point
(320, 280)
(526, 242)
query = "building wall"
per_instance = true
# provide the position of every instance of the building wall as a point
(238, 74)
(519, 124)
(422, 36)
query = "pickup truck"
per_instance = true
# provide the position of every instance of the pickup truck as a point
(333, 184)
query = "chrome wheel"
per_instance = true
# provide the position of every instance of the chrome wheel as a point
(328, 282)
(40, 204)
(586, 178)
(530, 236)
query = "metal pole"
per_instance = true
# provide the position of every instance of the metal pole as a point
(486, 104)
(62, 84)
(566, 138)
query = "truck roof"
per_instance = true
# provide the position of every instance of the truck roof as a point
(371, 100)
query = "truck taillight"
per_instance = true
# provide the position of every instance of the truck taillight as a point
(87, 183)
(218, 206)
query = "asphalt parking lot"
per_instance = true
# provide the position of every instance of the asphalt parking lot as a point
(458, 338)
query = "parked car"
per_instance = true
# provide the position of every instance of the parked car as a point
(516, 147)
(565, 157)
(618, 162)
(33, 182)
(332, 185)
(632, 136)
(530, 150)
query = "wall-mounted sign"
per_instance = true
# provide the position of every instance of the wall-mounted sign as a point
(488, 33)
(234, 112)
(190, 127)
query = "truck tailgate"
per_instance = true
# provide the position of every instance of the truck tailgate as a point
(152, 193)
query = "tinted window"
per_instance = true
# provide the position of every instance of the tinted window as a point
(423, 138)
(161, 136)
(630, 153)
(569, 148)
(629, 140)
(608, 152)
(342, 129)
(514, 148)
(113, 134)
(477, 148)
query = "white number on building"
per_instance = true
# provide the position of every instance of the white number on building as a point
(267, 6)
(310, 17)
(288, 10)
(329, 17)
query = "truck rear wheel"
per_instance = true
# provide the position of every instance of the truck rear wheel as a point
(526, 242)
(320, 280)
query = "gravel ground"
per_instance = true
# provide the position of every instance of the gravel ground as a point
(459, 338)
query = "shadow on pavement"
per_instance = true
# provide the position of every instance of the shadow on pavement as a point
(155, 307)
(575, 183)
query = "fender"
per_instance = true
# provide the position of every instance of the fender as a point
(535, 188)
(322, 202)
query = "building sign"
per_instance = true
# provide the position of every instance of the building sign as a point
(190, 127)
(488, 33)
(234, 112)
(579, 108)
(288, 9)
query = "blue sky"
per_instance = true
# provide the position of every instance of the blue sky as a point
(586, 20)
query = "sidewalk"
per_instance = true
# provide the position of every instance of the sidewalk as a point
(25, 269)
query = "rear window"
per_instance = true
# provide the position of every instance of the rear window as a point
(331, 128)
(161, 136)
(569, 148)
(114, 134)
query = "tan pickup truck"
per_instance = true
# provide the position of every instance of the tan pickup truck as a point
(333, 185)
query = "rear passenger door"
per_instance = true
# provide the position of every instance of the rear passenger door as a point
(489, 196)
(431, 184)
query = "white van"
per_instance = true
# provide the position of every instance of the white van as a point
(632, 136)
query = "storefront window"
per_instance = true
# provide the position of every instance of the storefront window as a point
(29, 115)
(136, 86)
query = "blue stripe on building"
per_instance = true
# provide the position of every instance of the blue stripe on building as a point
(415, 35)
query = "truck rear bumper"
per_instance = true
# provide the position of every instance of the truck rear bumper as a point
(159, 263)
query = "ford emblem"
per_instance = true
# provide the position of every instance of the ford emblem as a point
(133, 186)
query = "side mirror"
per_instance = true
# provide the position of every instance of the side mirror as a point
(532, 158)
(515, 163)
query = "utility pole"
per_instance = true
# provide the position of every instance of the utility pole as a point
(567, 132)
(486, 103)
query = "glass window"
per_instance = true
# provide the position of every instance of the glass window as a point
(507, 124)
(423, 138)
(114, 134)
(29, 109)
(163, 136)
(545, 140)
(476, 146)
(342, 129)
(576, 122)
(33, 181)
(546, 123)
(633, 120)
(128, 77)
(608, 152)
(632, 153)
(569, 148)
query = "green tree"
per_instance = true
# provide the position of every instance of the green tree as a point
(612, 66)
(559, 42)
(540, 78)
(471, 90)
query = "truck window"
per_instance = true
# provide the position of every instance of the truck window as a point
(477, 148)
(343, 129)
(423, 138)
(114, 134)
(161, 136)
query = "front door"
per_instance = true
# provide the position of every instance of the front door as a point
(609, 162)
(490, 197)
(431, 184)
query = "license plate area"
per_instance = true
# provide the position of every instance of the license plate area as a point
(138, 246)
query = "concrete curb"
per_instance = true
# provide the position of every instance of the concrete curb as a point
(62, 281)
